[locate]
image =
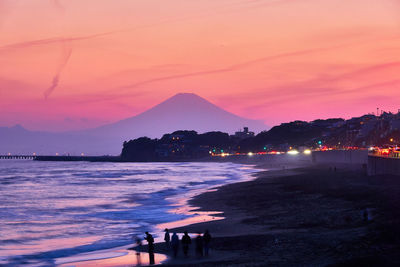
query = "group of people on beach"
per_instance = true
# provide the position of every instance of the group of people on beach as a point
(202, 243)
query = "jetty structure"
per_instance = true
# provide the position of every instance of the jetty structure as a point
(17, 156)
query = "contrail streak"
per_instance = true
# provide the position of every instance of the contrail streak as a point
(66, 54)
(56, 78)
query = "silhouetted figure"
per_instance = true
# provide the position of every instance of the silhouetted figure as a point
(138, 250)
(186, 241)
(167, 239)
(199, 245)
(207, 241)
(150, 240)
(175, 244)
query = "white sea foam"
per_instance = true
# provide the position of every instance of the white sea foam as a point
(58, 209)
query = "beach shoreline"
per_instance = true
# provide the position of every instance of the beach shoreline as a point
(179, 206)
(298, 215)
(312, 215)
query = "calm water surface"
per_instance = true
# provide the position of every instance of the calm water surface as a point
(50, 210)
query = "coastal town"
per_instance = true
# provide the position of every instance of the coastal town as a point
(378, 134)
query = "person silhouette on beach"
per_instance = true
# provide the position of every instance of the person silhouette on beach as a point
(207, 241)
(186, 241)
(175, 244)
(199, 245)
(167, 239)
(138, 250)
(150, 241)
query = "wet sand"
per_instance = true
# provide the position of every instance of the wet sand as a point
(115, 257)
(304, 216)
(311, 216)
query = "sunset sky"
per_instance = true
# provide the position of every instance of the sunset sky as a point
(73, 64)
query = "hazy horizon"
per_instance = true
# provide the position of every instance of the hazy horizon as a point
(180, 112)
(134, 115)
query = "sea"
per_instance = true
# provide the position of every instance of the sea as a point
(54, 210)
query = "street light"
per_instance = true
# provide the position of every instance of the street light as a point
(293, 152)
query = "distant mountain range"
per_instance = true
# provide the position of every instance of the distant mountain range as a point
(181, 112)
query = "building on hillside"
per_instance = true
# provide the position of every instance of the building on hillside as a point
(244, 134)
(367, 127)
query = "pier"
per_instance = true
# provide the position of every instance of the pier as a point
(32, 157)
(79, 158)
(64, 158)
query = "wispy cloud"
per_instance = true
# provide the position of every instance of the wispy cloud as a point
(372, 87)
(328, 94)
(48, 41)
(323, 88)
(3, 11)
(57, 4)
(367, 70)
(231, 68)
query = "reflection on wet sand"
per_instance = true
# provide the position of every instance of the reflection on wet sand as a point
(199, 217)
(115, 258)
(190, 214)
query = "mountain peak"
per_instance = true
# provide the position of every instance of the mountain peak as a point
(183, 111)
(186, 96)
(182, 102)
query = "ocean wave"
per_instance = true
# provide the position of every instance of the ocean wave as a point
(61, 209)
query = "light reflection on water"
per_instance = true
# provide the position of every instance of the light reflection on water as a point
(115, 258)
(59, 209)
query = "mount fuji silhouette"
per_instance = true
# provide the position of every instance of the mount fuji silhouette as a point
(184, 111)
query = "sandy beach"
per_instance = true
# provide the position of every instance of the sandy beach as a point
(310, 216)
(292, 216)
